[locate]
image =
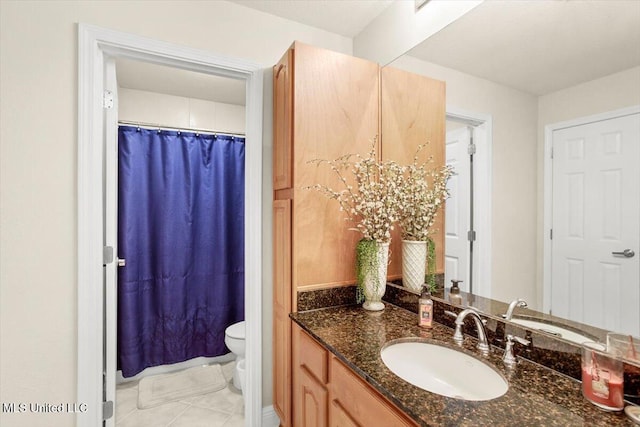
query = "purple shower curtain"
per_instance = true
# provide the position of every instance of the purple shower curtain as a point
(181, 232)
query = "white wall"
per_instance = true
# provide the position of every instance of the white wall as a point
(608, 93)
(514, 165)
(38, 162)
(177, 111)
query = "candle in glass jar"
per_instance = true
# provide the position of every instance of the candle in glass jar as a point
(600, 387)
(602, 377)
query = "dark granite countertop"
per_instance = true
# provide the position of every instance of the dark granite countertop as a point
(537, 396)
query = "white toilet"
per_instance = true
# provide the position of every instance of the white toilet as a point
(234, 339)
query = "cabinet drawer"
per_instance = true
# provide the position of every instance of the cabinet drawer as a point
(312, 356)
(355, 403)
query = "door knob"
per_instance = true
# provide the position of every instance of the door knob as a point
(626, 253)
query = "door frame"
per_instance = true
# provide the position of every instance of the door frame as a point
(548, 188)
(483, 138)
(94, 45)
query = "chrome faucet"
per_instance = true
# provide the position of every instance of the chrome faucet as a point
(515, 303)
(483, 344)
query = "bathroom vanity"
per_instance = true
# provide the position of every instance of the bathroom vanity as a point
(340, 379)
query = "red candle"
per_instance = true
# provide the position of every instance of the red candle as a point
(602, 388)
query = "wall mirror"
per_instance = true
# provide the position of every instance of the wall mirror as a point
(522, 68)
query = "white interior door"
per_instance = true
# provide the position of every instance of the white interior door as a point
(457, 212)
(596, 214)
(110, 236)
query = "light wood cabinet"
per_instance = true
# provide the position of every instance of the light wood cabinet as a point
(281, 309)
(354, 402)
(413, 113)
(310, 377)
(335, 110)
(326, 105)
(327, 393)
(282, 128)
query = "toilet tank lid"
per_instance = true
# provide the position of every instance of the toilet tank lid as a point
(236, 330)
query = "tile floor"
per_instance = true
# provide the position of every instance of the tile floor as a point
(224, 408)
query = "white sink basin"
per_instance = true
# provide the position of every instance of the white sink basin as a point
(444, 371)
(553, 329)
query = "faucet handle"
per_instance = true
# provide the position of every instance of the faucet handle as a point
(518, 339)
(509, 359)
(450, 313)
(458, 338)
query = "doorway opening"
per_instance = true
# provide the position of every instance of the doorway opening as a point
(180, 249)
(468, 209)
(97, 125)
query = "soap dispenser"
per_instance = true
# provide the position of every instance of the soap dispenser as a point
(425, 309)
(454, 292)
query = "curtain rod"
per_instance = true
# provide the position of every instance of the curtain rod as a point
(195, 130)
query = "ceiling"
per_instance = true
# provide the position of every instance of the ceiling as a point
(173, 81)
(345, 17)
(539, 46)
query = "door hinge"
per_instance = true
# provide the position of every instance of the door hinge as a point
(471, 149)
(471, 236)
(551, 234)
(551, 153)
(107, 99)
(107, 410)
(107, 255)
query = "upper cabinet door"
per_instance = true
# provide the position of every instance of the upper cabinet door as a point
(282, 126)
(413, 112)
(336, 110)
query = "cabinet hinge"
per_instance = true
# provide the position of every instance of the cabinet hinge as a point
(107, 410)
(107, 255)
(107, 99)
(471, 236)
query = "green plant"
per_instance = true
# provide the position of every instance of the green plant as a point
(430, 278)
(366, 260)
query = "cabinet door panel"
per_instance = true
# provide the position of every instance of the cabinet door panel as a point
(312, 408)
(281, 310)
(282, 125)
(336, 113)
(413, 113)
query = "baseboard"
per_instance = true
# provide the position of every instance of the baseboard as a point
(269, 417)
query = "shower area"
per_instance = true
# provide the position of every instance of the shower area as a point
(181, 157)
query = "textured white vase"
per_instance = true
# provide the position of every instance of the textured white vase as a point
(375, 284)
(414, 264)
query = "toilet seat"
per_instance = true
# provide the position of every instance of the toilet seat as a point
(236, 331)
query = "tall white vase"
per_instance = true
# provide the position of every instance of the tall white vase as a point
(375, 284)
(414, 264)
